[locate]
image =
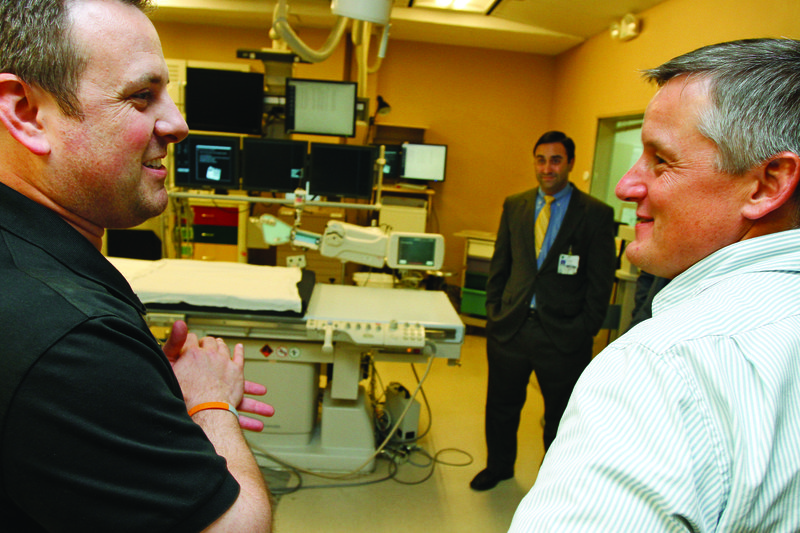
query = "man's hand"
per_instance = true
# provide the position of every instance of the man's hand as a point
(251, 405)
(177, 337)
(206, 372)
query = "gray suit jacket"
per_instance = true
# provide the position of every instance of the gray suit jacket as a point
(571, 307)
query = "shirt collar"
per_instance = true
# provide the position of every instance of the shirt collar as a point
(43, 228)
(560, 195)
(775, 252)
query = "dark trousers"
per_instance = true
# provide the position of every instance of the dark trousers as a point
(510, 367)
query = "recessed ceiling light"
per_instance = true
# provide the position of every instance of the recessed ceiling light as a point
(470, 6)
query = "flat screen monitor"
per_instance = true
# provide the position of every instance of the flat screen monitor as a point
(207, 162)
(393, 154)
(415, 251)
(224, 100)
(342, 170)
(321, 107)
(273, 165)
(426, 162)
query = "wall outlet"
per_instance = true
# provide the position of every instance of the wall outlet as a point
(298, 261)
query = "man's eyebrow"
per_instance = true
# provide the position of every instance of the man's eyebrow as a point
(150, 79)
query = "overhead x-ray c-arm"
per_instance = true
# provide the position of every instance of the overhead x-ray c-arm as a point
(375, 11)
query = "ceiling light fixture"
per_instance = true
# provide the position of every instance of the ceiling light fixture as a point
(626, 29)
(469, 6)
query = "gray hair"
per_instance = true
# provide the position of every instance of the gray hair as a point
(37, 47)
(755, 98)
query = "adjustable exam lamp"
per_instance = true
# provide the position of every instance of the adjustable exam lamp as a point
(383, 107)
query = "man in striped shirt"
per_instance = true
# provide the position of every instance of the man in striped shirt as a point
(691, 420)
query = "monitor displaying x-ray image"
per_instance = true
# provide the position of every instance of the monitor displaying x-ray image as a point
(393, 161)
(207, 162)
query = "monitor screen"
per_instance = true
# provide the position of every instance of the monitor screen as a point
(424, 161)
(393, 154)
(224, 100)
(415, 251)
(273, 165)
(207, 162)
(321, 107)
(342, 170)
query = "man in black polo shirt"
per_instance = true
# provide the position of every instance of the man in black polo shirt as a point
(101, 429)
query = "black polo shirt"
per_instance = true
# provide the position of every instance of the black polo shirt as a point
(94, 434)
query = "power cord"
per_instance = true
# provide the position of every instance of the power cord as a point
(396, 453)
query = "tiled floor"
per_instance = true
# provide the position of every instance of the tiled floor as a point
(444, 503)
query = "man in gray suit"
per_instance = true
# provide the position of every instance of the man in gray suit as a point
(548, 290)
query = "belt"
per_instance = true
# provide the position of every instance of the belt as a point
(532, 312)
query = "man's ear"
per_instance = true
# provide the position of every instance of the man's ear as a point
(774, 185)
(20, 113)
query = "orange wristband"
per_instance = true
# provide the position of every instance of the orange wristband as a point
(213, 405)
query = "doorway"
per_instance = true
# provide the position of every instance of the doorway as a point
(618, 146)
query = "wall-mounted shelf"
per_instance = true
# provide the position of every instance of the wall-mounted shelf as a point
(397, 134)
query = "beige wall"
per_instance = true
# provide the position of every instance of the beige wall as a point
(489, 106)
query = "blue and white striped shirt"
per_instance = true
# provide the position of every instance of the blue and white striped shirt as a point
(691, 420)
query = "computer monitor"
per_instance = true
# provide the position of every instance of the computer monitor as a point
(415, 251)
(341, 170)
(426, 162)
(273, 165)
(207, 162)
(393, 154)
(321, 107)
(227, 101)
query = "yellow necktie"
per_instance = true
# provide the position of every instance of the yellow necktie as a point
(541, 223)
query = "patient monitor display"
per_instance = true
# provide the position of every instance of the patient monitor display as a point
(415, 251)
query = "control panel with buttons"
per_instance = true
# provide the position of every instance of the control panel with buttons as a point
(393, 333)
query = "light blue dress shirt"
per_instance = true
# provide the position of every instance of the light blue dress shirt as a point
(557, 211)
(691, 420)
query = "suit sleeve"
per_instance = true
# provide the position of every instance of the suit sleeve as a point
(500, 267)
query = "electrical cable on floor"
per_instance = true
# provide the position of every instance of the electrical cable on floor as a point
(392, 472)
(401, 449)
(395, 452)
(358, 470)
(432, 462)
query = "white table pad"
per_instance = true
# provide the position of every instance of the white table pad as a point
(213, 284)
